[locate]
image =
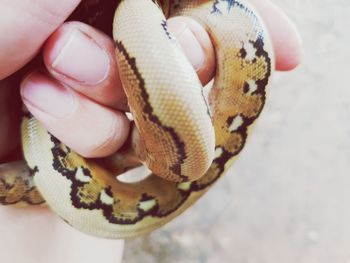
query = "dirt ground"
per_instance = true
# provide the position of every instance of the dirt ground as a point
(287, 198)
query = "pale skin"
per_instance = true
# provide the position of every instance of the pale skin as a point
(69, 93)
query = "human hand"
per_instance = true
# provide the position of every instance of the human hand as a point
(35, 234)
(72, 93)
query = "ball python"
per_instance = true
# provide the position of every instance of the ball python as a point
(188, 140)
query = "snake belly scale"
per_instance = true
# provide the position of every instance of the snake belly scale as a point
(187, 141)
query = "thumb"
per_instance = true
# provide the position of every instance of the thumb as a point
(24, 27)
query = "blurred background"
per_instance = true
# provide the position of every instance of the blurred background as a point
(287, 198)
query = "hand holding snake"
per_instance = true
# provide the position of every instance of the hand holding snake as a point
(124, 52)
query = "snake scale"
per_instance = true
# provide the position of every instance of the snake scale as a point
(188, 140)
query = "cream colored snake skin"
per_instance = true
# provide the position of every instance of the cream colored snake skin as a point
(187, 142)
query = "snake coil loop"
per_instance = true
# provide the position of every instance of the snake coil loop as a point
(189, 141)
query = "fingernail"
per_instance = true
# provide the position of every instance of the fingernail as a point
(81, 58)
(192, 48)
(47, 96)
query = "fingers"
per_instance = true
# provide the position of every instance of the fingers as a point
(83, 91)
(84, 125)
(93, 71)
(77, 101)
(284, 35)
(24, 27)
(18, 46)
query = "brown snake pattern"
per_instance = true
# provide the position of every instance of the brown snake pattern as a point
(172, 137)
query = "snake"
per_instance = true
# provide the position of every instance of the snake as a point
(187, 138)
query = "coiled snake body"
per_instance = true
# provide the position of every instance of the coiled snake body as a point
(180, 136)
